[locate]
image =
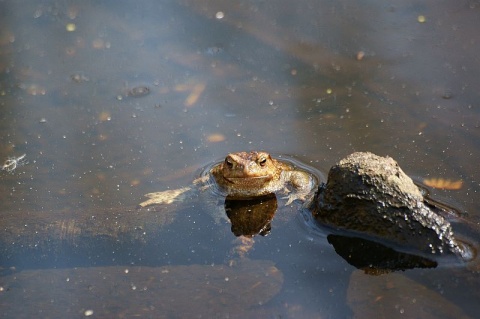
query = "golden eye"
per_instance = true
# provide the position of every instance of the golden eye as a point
(262, 161)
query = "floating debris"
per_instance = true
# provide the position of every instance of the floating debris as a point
(139, 91)
(215, 50)
(195, 91)
(216, 137)
(79, 78)
(33, 89)
(98, 44)
(441, 183)
(447, 95)
(360, 55)
(70, 27)
(12, 163)
(195, 94)
(104, 116)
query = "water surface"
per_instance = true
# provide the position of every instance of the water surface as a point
(113, 100)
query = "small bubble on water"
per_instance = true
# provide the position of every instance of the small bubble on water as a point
(219, 15)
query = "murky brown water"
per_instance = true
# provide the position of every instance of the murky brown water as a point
(114, 100)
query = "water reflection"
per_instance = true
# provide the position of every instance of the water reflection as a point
(374, 258)
(251, 217)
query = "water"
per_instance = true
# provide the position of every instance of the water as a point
(288, 78)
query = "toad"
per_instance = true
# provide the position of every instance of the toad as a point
(246, 175)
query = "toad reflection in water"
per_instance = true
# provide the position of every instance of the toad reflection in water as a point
(251, 217)
(248, 181)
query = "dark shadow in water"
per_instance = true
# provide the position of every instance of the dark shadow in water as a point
(375, 258)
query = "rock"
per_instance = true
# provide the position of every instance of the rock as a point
(193, 291)
(397, 296)
(371, 196)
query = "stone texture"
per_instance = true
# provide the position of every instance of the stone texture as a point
(371, 195)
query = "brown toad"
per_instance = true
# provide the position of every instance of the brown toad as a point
(245, 175)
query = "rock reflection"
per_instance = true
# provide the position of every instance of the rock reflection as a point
(374, 258)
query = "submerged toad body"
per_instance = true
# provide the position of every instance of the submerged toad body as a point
(245, 175)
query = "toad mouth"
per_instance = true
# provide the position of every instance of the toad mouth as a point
(234, 180)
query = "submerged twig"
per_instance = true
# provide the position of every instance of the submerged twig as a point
(12, 163)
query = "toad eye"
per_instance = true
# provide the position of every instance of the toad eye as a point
(228, 162)
(262, 161)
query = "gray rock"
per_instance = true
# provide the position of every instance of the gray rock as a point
(371, 195)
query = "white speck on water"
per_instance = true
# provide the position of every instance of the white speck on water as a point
(88, 312)
(37, 14)
(219, 15)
